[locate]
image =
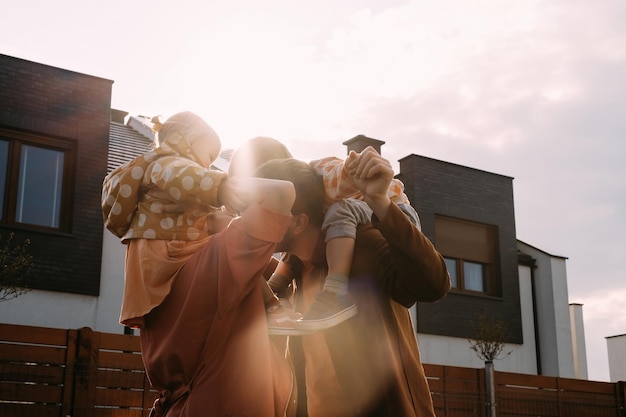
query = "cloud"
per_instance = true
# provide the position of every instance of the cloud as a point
(604, 306)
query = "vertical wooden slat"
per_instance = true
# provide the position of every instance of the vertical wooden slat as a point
(620, 389)
(559, 399)
(68, 378)
(85, 374)
(482, 395)
(446, 394)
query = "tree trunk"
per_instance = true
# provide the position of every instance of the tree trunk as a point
(491, 389)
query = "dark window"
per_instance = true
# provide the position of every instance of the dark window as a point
(34, 181)
(470, 253)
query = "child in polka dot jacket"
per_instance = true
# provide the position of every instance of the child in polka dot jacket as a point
(169, 190)
(168, 202)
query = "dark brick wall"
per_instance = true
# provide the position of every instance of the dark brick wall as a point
(74, 107)
(437, 187)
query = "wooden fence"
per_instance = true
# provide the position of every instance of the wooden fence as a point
(58, 373)
(461, 392)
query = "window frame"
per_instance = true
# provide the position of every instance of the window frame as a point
(455, 250)
(488, 279)
(15, 141)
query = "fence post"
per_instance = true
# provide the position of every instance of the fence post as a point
(85, 373)
(70, 368)
(490, 388)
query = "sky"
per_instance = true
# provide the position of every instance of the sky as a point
(534, 90)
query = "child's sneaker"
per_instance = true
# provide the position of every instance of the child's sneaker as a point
(328, 310)
(281, 321)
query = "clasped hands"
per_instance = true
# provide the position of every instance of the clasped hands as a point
(372, 175)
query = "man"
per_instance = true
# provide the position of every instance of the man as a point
(370, 364)
(206, 348)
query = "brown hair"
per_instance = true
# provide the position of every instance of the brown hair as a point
(308, 183)
(253, 153)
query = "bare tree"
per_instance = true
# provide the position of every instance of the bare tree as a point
(15, 263)
(490, 334)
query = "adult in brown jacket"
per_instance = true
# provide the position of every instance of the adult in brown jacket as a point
(206, 348)
(369, 365)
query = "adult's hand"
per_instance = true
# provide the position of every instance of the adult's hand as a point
(218, 220)
(232, 194)
(372, 175)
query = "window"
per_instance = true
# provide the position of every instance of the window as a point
(467, 275)
(34, 181)
(470, 252)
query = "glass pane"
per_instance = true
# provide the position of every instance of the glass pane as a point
(40, 186)
(4, 157)
(473, 275)
(451, 265)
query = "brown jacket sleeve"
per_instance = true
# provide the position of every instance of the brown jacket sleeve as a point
(407, 266)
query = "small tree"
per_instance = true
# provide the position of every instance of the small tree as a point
(488, 343)
(489, 336)
(15, 263)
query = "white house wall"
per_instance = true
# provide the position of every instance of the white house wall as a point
(578, 341)
(562, 314)
(451, 351)
(553, 317)
(72, 311)
(50, 309)
(616, 346)
(546, 323)
(528, 354)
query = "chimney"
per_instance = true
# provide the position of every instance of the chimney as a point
(360, 142)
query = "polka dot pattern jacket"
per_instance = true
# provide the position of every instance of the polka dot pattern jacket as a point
(163, 194)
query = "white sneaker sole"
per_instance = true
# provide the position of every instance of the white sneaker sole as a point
(331, 321)
(280, 331)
